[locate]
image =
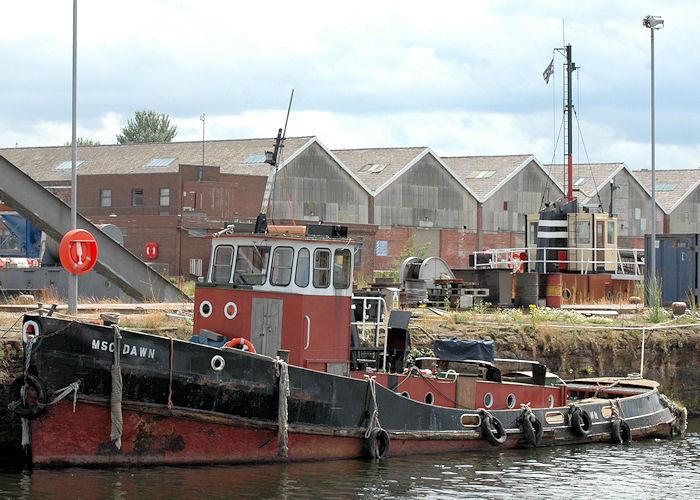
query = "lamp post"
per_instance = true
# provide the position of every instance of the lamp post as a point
(73, 278)
(653, 23)
(202, 117)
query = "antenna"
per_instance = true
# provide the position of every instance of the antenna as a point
(272, 158)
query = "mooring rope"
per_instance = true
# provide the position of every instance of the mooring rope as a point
(374, 416)
(170, 382)
(116, 396)
(282, 372)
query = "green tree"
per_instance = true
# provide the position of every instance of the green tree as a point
(147, 126)
(83, 141)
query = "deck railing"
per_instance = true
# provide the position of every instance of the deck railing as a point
(628, 261)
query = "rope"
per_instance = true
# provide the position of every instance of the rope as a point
(62, 393)
(374, 416)
(282, 372)
(170, 382)
(605, 387)
(116, 396)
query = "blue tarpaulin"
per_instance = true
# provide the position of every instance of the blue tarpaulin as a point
(464, 350)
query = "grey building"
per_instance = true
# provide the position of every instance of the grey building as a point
(678, 194)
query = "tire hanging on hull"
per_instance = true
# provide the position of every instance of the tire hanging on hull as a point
(492, 429)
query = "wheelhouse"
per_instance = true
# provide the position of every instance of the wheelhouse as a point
(288, 289)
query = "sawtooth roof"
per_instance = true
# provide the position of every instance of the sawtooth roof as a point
(374, 167)
(685, 180)
(589, 178)
(485, 174)
(40, 162)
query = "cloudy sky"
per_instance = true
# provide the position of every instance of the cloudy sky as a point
(461, 77)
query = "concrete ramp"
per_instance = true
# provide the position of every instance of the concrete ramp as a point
(46, 212)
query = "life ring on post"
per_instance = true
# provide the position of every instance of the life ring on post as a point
(620, 431)
(78, 251)
(377, 444)
(492, 429)
(580, 422)
(240, 343)
(35, 398)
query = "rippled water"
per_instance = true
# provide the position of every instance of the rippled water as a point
(644, 469)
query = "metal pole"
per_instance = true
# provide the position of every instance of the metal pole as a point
(652, 257)
(73, 278)
(569, 125)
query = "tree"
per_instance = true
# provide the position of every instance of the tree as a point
(83, 141)
(147, 126)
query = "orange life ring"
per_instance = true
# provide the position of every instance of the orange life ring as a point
(515, 262)
(240, 343)
(78, 251)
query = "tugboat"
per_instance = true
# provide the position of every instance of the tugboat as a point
(272, 373)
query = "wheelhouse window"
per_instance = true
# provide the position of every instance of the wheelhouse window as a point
(282, 261)
(532, 234)
(583, 232)
(611, 233)
(303, 265)
(223, 263)
(341, 268)
(251, 265)
(322, 268)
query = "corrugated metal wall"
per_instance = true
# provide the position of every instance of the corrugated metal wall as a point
(686, 217)
(505, 210)
(319, 190)
(425, 196)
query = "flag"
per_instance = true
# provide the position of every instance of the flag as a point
(548, 72)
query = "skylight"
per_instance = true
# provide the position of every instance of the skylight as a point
(482, 174)
(160, 162)
(254, 159)
(666, 187)
(374, 168)
(68, 165)
(580, 181)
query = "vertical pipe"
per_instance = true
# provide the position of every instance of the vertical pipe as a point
(641, 362)
(569, 124)
(73, 278)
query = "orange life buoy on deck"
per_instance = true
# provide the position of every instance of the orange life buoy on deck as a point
(78, 251)
(240, 343)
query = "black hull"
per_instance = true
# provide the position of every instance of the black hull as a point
(245, 394)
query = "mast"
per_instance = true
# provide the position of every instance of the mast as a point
(570, 67)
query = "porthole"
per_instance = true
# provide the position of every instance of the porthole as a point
(488, 400)
(510, 400)
(218, 363)
(205, 308)
(230, 310)
(406, 394)
(429, 398)
(550, 401)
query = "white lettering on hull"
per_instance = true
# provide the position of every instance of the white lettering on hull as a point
(130, 350)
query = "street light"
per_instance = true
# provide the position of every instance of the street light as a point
(653, 23)
(202, 117)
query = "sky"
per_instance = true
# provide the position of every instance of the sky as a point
(461, 77)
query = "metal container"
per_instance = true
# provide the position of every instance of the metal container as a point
(677, 266)
(553, 290)
(526, 289)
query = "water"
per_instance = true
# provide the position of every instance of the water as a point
(644, 469)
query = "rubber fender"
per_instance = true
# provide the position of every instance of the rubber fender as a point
(620, 431)
(492, 430)
(36, 405)
(581, 422)
(532, 429)
(377, 444)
